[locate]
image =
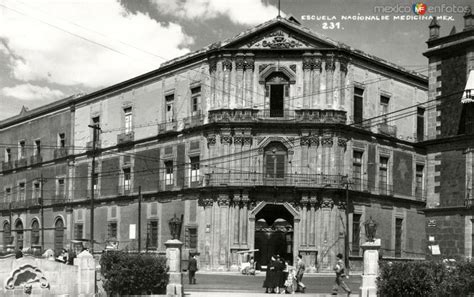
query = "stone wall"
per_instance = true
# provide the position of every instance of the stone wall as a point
(42, 277)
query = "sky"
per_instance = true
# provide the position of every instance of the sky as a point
(52, 49)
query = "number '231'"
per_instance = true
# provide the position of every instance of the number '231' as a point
(331, 25)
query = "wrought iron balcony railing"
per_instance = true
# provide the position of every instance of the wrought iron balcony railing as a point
(20, 163)
(387, 129)
(60, 152)
(36, 159)
(7, 165)
(125, 138)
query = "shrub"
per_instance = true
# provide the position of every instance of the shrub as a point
(425, 278)
(127, 274)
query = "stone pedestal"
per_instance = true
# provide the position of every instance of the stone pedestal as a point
(371, 268)
(173, 261)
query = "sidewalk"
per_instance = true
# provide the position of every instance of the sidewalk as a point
(240, 294)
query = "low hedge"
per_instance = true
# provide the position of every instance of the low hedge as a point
(425, 278)
(133, 274)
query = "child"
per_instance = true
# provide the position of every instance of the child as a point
(290, 281)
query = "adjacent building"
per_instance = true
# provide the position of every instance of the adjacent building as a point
(449, 212)
(257, 143)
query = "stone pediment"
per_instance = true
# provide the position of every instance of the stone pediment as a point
(277, 39)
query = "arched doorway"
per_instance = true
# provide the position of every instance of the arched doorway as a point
(274, 226)
(7, 234)
(58, 235)
(19, 234)
(35, 233)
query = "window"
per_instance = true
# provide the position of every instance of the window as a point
(384, 101)
(58, 235)
(78, 230)
(112, 230)
(277, 89)
(358, 105)
(8, 195)
(62, 140)
(356, 234)
(194, 169)
(169, 108)
(128, 119)
(152, 234)
(196, 100)
(169, 173)
(35, 233)
(8, 154)
(419, 181)
(7, 234)
(21, 149)
(95, 182)
(275, 160)
(21, 191)
(383, 176)
(420, 123)
(36, 190)
(126, 179)
(398, 237)
(61, 188)
(357, 169)
(37, 151)
(191, 238)
(96, 123)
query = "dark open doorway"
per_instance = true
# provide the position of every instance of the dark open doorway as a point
(273, 234)
(276, 100)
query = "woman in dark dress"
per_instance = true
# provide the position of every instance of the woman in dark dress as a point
(269, 283)
(279, 267)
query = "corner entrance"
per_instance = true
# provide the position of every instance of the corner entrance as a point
(274, 226)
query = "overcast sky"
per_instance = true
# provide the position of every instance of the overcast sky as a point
(51, 49)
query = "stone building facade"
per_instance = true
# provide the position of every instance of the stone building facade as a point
(256, 142)
(449, 212)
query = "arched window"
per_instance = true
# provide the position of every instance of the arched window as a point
(7, 234)
(58, 235)
(19, 234)
(35, 233)
(275, 161)
(277, 88)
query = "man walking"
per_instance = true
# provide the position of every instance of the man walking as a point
(300, 268)
(340, 275)
(192, 268)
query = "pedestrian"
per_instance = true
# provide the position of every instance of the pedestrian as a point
(269, 282)
(300, 268)
(252, 266)
(192, 268)
(340, 275)
(290, 283)
(279, 280)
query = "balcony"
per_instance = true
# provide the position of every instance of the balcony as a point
(36, 159)
(19, 204)
(20, 163)
(124, 190)
(167, 127)
(90, 145)
(7, 165)
(258, 179)
(320, 116)
(60, 152)
(420, 194)
(58, 198)
(125, 138)
(193, 121)
(388, 130)
(364, 124)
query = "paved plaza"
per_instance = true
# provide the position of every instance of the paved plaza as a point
(235, 285)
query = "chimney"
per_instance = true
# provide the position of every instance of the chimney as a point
(434, 29)
(468, 20)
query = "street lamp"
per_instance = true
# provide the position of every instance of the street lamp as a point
(370, 229)
(175, 227)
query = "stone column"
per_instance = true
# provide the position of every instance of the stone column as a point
(212, 71)
(239, 69)
(303, 225)
(330, 67)
(236, 220)
(249, 66)
(316, 79)
(307, 66)
(173, 261)
(371, 268)
(226, 141)
(244, 218)
(343, 72)
(85, 274)
(312, 231)
(224, 202)
(226, 71)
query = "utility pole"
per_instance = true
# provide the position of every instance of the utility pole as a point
(139, 219)
(95, 131)
(42, 181)
(346, 237)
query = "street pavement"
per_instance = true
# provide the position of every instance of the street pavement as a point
(238, 285)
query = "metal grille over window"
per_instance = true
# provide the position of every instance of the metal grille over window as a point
(169, 173)
(194, 169)
(191, 238)
(152, 234)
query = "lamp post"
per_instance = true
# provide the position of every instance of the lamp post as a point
(371, 259)
(370, 229)
(173, 259)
